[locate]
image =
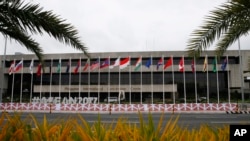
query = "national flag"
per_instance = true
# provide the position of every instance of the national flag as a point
(12, 67)
(181, 65)
(160, 62)
(86, 66)
(31, 66)
(214, 65)
(77, 66)
(68, 67)
(18, 66)
(59, 66)
(205, 65)
(193, 66)
(168, 63)
(138, 63)
(124, 63)
(105, 63)
(39, 70)
(148, 63)
(95, 65)
(224, 64)
(116, 63)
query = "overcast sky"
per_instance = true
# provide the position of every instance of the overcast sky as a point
(125, 25)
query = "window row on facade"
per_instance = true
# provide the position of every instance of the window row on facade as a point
(126, 79)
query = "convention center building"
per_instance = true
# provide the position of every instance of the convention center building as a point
(127, 77)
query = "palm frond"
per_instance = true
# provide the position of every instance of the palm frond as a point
(30, 15)
(22, 18)
(25, 40)
(229, 38)
(223, 22)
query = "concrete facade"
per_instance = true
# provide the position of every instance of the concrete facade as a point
(159, 88)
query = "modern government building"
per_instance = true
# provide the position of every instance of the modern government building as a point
(127, 77)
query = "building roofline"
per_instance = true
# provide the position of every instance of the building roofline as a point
(118, 54)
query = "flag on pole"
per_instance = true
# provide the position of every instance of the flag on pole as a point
(18, 66)
(168, 63)
(116, 63)
(148, 63)
(77, 66)
(59, 66)
(86, 65)
(205, 65)
(12, 67)
(95, 65)
(214, 65)
(181, 65)
(224, 64)
(39, 70)
(159, 63)
(105, 63)
(31, 66)
(138, 63)
(124, 63)
(193, 66)
(68, 67)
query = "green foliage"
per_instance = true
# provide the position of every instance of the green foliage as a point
(226, 24)
(78, 129)
(19, 19)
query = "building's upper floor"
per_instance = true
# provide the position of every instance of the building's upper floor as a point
(156, 58)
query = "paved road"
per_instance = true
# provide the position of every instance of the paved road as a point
(193, 120)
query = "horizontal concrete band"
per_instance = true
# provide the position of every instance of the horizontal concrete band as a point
(106, 88)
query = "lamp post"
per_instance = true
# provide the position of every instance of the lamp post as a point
(241, 74)
(241, 70)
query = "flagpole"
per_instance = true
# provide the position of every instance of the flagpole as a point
(129, 80)
(69, 76)
(13, 85)
(31, 80)
(195, 81)
(163, 81)
(152, 88)
(21, 87)
(228, 82)
(184, 80)
(13, 82)
(51, 66)
(109, 78)
(207, 79)
(141, 80)
(41, 83)
(119, 78)
(89, 78)
(60, 75)
(173, 78)
(99, 81)
(80, 76)
(217, 79)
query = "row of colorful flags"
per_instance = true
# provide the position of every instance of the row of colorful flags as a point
(122, 63)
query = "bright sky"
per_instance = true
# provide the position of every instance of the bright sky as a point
(125, 25)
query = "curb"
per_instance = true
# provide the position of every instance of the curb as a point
(115, 112)
(238, 112)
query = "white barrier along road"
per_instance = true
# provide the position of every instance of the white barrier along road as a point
(195, 107)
